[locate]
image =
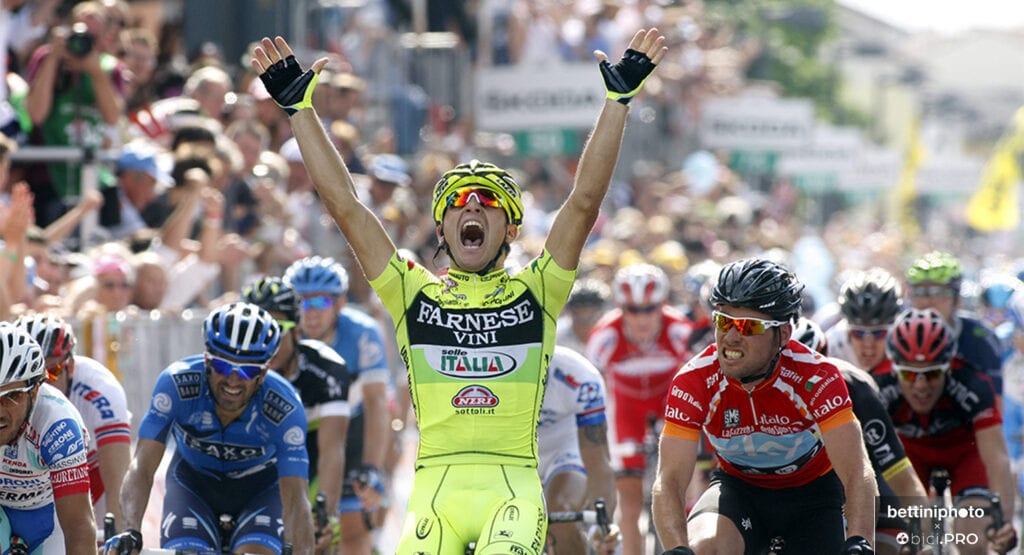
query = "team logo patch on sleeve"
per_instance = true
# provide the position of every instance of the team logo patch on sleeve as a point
(276, 407)
(188, 384)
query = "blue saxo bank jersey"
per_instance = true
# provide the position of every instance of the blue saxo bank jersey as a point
(272, 430)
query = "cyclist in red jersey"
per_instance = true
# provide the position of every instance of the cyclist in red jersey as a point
(781, 421)
(638, 347)
(945, 413)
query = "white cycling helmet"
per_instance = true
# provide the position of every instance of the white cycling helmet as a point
(640, 285)
(21, 358)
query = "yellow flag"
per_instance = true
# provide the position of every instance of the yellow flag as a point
(906, 189)
(994, 205)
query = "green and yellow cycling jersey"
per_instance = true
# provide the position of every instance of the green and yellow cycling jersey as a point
(476, 349)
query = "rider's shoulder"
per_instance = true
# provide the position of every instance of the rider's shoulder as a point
(352, 316)
(320, 351)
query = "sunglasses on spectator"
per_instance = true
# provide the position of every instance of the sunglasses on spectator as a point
(115, 285)
(910, 373)
(745, 326)
(932, 291)
(286, 325)
(54, 371)
(878, 332)
(640, 309)
(322, 302)
(16, 396)
(461, 197)
(226, 368)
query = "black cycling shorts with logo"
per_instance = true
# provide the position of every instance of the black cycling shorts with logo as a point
(808, 518)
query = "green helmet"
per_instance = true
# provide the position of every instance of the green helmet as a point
(935, 267)
(483, 175)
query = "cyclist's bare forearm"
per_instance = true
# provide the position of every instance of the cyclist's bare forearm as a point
(364, 232)
(297, 514)
(593, 442)
(138, 482)
(676, 462)
(377, 424)
(331, 439)
(849, 458)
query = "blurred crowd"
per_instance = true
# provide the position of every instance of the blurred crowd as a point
(204, 190)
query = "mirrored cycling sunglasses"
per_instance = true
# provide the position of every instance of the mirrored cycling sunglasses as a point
(16, 396)
(859, 332)
(746, 326)
(932, 291)
(910, 373)
(322, 302)
(226, 367)
(461, 197)
(54, 371)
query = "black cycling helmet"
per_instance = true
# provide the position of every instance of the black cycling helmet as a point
(274, 295)
(760, 285)
(588, 292)
(871, 298)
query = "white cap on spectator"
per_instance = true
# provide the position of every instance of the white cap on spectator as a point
(390, 168)
(290, 151)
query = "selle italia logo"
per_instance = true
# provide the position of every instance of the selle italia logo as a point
(474, 365)
(813, 381)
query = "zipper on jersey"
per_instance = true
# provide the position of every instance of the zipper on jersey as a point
(753, 409)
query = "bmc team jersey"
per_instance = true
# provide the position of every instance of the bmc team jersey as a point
(49, 461)
(980, 347)
(477, 350)
(100, 399)
(574, 399)
(271, 431)
(769, 437)
(945, 436)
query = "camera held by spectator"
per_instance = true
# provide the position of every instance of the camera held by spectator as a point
(80, 41)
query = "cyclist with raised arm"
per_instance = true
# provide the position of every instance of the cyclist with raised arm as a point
(947, 417)
(572, 440)
(100, 400)
(935, 280)
(320, 376)
(894, 473)
(45, 489)
(323, 283)
(477, 340)
(779, 416)
(638, 347)
(869, 302)
(240, 446)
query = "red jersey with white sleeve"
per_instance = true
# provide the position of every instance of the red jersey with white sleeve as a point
(638, 376)
(100, 399)
(771, 436)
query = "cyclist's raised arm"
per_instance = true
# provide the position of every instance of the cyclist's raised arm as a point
(623, 80)
(297, 514)
(676, 462)
(138, 482)
(845, 447)
(293, 90)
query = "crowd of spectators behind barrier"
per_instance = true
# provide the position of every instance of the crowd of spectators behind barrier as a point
(208, 190)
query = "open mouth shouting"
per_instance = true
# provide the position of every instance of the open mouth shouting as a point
(471, 235)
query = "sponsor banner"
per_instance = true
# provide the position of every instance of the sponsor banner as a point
(514, 98)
